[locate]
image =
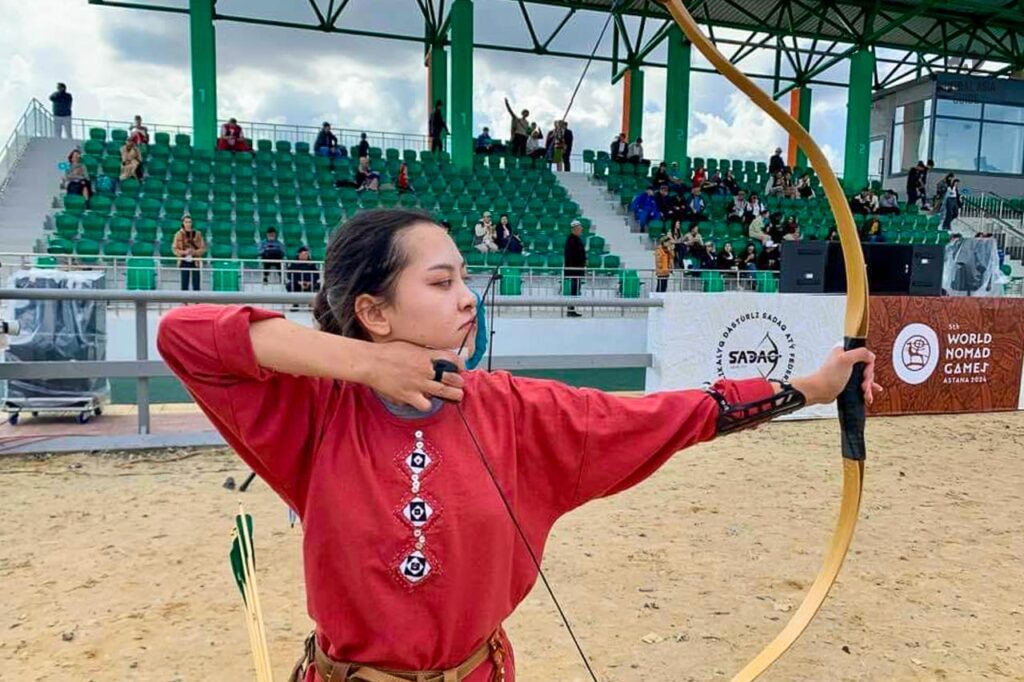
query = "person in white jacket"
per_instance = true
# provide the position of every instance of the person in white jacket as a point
(484, 235)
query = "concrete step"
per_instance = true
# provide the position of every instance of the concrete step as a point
(602, 208)
(28, 197)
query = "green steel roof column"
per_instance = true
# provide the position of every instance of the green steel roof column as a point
(803, 115)
(203, 44)
(437, 80)
(461, 107)
(635, 96)
(858, 119)
(677, 97)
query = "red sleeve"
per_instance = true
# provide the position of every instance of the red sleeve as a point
(273, 421)
(591, 444)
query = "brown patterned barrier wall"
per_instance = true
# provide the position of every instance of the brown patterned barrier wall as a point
(940, 355)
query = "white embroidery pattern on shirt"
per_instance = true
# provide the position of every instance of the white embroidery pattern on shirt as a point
(417, 512)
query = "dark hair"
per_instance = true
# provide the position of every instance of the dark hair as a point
(363, 257)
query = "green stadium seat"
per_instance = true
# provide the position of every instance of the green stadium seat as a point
(227, 275)
(140, 274)
(59, 246)
(97, 134)
(74, 203)
(67, 224)
(116, 248)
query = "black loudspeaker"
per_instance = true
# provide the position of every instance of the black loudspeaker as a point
(893, 269)
(803, 267)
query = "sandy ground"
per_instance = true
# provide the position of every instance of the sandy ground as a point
(115, 568)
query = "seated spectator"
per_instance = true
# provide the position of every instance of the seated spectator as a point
(679, 248)
(668, 204)
(363, 150)
(327, 144)
(139, 133)
(76, 177)
(700, 176)
(860, 204)
(777, 227)
(402, 182)
(788, 188)
(635, 152)
(675, 181)
(660, 176)
(770, 257)
(505, 237)
(693, 241)
(872, 201)
(695, 206)
(759, 226)
(792, 232)
(887, 203)
(303, 274)
(535, 144)
(645, 208)
(232, 139)
(484, 235)
(620, 149)
(755, 207)
(775, 163)
(803, 187)
(484, 143)
(732, 187)
(708, 257)
(748, 260)
(664, 256)
(726, 258)
(775, 186)
(271, 251)
(872, 231)
(738, 208)
(713, 185)
(131, 161)
(367, 179)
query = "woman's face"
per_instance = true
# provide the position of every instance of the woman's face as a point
(728, 247)
(186, 223)
(432, 304)
(504, 220)
(76, 156)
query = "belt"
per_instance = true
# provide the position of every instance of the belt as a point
(330, 670)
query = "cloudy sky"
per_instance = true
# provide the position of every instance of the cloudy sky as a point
(121, 62)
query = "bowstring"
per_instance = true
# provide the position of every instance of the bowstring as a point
(494, 276)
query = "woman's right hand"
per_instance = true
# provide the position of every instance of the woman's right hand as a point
(403, 373)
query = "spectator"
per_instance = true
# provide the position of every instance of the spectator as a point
(917, 189)
(271, 253)
(755, 207)
(872, 231)
(484, 143)
(645, 208)
(713, 185)
(402, 183)
(860, 204)
(437, 127)
(678, 245)
(803, 187)
(76, 177)
(695, 206)
(675, 181)
(871, 200)
(535, 145)
(924, 184)
(520, 130)
(575, 256)
(139, 134)
(131, 160)
(484, 235)
(729, 183)
(188, 245)
(693, 242)
(748, 261)
(367, 179)
(232, 139)
(567, 141)
(788, 188)
(327, 144)
(791, 233)
(759, 226)
(951, 204)
(775, 186)
(887, 203)
(363, 149)
(708, 257)
(660, 176)
(738, 208)
(775, 163)
(635, 151)
(61, 111)
(303, 274)
(556, 146)
(668, 204)
(770, 257)
(620, 149)
(505, 237)
(700, 176)
(663, 257)
(726, 258)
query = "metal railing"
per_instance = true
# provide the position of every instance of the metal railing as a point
(36, 121)
(142, 368)
(999, 217)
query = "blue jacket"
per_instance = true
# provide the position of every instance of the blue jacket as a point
(646, 204)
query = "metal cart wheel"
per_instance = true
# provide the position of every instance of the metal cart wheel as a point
(83, 417)
(12, 418)
(98, 411)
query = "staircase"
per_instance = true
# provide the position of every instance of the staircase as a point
(27, 198)
(603, 209)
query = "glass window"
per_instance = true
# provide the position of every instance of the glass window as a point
(949, 107)
(913, 110)
(1002, 112)
(875, 153)
(1002, 148)
(956, 144)
(909, 144)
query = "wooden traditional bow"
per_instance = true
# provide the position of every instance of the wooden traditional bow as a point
(851, 401)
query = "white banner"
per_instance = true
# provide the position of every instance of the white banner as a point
(698, 337)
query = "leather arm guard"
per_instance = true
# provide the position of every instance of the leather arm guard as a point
(747, 415)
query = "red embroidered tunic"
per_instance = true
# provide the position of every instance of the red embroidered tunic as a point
(411, 560)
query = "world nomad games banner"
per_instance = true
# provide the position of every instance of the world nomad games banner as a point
(958, 354)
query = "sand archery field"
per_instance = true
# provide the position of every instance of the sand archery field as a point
(114, 568)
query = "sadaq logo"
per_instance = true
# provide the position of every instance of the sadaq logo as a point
(756, 344)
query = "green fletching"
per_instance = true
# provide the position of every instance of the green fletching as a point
(248, 547)
(237, 565)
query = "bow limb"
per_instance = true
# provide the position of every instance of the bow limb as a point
(851, 401)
